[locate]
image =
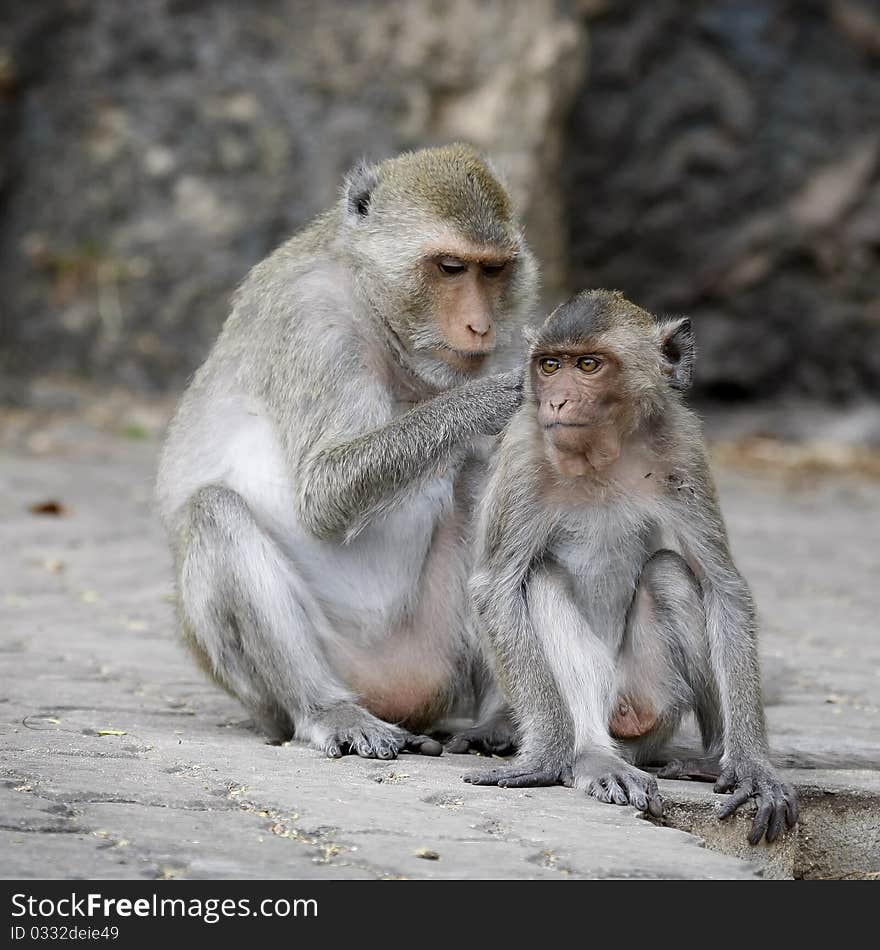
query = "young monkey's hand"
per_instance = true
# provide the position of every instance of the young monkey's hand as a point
(525, 772)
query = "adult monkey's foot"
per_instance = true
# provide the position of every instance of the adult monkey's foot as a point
(348, 729)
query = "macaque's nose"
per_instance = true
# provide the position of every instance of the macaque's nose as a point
(558, 404)
(479, 324)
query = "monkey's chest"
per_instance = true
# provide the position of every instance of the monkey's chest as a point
(366, 585)
(603, 553)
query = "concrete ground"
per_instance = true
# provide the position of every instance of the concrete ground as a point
(120, 760)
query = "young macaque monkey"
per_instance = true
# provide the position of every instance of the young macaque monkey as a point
(604, 583)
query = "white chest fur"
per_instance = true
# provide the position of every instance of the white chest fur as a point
(367, 584)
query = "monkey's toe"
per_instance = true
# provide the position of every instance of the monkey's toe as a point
(369, 747)
(614, 781)
(423, 745)
(775, 802)
(489, 777)
(521, 777)
(702, 769)
(537, 779)
(358, 733)
(489, 741)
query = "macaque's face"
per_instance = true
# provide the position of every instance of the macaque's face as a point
(600, 365)
(467, 287)
(590, 394)
(577, 391)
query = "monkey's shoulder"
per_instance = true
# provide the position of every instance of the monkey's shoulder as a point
(295, 306)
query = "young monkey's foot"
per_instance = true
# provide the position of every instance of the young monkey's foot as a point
(524, 773)
(494, 736)
(348, 729)
(776, 802)
(609, 779)
(704, 768)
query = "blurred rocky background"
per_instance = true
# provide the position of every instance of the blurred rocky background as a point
(720, 158)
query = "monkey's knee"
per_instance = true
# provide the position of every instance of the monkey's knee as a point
(216, 510)
(671, 582)
(677, 601)
(218, 614)
(214, 528)
(217, 526)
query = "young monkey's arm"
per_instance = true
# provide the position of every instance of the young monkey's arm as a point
(512, 537)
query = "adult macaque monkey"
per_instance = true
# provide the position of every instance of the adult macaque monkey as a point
(314, 480)
(604, 582)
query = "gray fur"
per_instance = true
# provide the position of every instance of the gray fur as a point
(317, 478)
(620, 583)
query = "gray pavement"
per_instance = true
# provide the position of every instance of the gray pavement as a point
(118, 759)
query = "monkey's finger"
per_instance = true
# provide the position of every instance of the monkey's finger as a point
(791, 805)
(424, 745)
(618, 795)
(537, 779)
(598, 790)
(637, 796)
(371, 747)
(654, 799)
(739, 797)
(672, 769)
(644, 794)
(459, 745)
(763, 815)
(726, 781)
(655, 804)
(605, 789)
(483, 778)
(777, 820)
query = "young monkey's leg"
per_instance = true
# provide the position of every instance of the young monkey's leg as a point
(583, 666)
(664, 670)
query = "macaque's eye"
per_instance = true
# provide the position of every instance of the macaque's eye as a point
(493, 270)
(451, 266)
(588, 364)
(548, 366)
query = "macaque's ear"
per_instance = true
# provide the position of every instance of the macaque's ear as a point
(678, 350)
(359, 185)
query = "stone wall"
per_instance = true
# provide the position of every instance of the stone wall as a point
(156, 150)
(725, 164)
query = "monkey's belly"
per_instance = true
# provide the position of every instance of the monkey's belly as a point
(405, 679)
(413, 700)
(415, 705)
